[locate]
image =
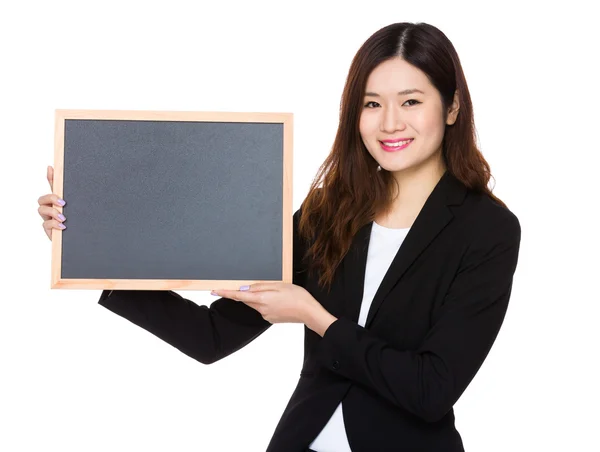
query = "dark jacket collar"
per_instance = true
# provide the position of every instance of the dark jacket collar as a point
(432, 219)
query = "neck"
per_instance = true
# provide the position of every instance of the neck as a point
(414, 187)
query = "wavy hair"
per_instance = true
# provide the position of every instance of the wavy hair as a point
(348, 192)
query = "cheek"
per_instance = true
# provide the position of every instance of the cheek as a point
(431, 125)
(362, 127)
(366, 126)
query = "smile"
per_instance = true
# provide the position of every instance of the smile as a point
(390, 146)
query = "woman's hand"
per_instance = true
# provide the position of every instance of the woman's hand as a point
(53, 219)
(283, 303)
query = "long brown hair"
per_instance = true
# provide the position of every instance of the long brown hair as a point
(348, 192)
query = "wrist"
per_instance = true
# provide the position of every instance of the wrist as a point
(319, 319)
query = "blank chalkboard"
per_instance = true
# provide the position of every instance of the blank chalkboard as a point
(172, 200)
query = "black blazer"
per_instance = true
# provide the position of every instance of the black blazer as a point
(432, 322)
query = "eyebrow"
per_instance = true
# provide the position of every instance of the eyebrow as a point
(401, 93)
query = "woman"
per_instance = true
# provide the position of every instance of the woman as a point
(394, 334)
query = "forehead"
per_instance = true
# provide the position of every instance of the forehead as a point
(395, 75)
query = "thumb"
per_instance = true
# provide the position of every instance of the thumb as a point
(50, 176)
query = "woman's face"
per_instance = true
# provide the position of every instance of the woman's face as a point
(401, 104)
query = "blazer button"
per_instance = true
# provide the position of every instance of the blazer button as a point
(335, 365)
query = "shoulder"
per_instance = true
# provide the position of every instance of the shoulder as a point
(482, 218)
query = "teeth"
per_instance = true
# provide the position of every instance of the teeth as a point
(399, 143)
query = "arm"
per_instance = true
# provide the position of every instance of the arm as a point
(204, 333)
(428, 381)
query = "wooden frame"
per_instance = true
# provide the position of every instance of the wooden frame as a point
(57, 282)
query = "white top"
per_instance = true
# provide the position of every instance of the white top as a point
(383, 246)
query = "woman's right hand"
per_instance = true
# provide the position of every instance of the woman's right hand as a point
(53, 219)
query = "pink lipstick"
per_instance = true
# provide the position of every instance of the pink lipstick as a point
(393, 145)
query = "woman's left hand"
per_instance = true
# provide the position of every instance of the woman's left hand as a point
(282, 303)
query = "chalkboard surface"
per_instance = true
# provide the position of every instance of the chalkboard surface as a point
(172, 200)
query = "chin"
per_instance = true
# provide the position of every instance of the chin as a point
(410, 165)
(395, 168)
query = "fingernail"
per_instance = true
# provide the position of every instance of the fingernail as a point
(212, 292)
(61, 202)
(61, 217)
(245, 288)
(62, 226)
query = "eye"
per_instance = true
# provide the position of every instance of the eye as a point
(373, 104)
(367, 105)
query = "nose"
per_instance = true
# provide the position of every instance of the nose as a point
(391, 120)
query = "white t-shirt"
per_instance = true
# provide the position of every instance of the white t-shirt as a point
(383, 246)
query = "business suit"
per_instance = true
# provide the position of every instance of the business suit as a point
(431, 324)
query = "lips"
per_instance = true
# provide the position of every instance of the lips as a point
(396, 140)
(394, 146)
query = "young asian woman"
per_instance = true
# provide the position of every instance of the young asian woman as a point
(403, 264)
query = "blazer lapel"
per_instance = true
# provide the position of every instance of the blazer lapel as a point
(354, 266)
(432, 219)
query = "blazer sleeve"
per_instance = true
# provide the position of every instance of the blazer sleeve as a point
(205, 333)
(428, 381)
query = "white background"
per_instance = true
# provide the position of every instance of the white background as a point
(75, 377)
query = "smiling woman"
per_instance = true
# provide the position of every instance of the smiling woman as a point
(393, 121)
(403, 264)
(405, 82)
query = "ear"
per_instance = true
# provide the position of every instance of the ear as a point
(453, 110)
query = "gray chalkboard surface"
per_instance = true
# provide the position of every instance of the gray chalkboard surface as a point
(172, 200)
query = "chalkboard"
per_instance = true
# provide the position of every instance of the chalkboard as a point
(172, 200)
